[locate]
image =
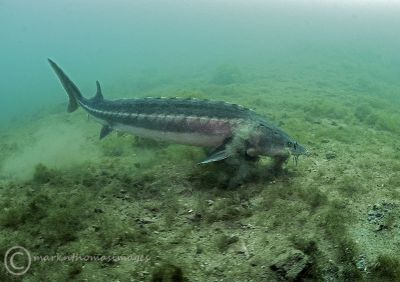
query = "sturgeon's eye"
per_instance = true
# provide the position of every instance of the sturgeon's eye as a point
(289, 144)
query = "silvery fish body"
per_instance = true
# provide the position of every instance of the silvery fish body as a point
(228, 128)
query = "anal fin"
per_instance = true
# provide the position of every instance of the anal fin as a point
(105, 130)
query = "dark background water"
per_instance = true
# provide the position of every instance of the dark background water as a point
(112, 41)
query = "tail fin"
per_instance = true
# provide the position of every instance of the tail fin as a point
(73, 92)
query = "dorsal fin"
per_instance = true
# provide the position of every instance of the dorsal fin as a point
(99, 95)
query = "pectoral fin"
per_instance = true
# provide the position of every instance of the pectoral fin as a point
(105, 130)
(216, 156)
(219, 154)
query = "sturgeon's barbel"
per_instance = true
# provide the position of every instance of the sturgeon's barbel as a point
(229, 128)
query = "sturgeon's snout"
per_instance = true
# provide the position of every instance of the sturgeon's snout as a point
(299, 149)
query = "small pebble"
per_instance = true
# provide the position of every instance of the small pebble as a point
(98, 210)
(330, 156)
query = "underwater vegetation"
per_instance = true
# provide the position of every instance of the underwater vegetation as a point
(386, 268)
(335, 216)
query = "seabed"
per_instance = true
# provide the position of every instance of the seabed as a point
(333, 217)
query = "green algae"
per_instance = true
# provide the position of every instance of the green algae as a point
(386, 268)
(44, 175)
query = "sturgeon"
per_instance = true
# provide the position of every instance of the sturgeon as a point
(229, 129)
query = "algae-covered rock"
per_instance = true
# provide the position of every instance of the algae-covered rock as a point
(168, 273)
(224, 241)
(291, 265)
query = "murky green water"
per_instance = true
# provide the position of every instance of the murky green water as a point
(326, 71)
